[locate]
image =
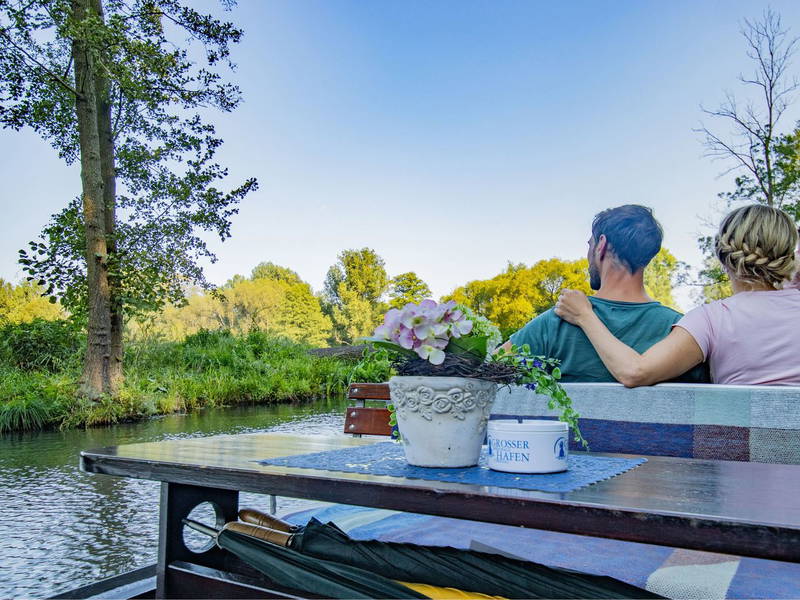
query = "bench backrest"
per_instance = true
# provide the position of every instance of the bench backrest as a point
(724, 422)
(365, 420)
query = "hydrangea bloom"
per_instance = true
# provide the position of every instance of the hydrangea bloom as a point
(426, 328)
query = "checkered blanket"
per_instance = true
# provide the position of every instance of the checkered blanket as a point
(665, 571)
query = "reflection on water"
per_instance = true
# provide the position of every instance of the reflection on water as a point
(61, 528)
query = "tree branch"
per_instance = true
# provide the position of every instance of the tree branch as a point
(54, 76)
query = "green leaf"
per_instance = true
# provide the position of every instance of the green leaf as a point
(391, 346)
(468, 345)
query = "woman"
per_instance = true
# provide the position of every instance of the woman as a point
(749, 338)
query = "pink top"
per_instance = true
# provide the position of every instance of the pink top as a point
(750, 338)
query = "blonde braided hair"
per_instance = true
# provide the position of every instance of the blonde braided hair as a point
(757, 243)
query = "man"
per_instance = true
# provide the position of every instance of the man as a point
(624, 240)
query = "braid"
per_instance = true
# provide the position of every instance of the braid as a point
(756, 243)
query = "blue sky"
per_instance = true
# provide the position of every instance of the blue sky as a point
(451, 137)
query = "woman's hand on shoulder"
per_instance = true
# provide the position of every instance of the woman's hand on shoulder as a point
(574, 307)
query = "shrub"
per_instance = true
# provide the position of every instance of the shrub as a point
(41, 345)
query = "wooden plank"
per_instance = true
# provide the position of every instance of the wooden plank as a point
(368, 391)
(188, 580)
(366, 420)
(750, 509)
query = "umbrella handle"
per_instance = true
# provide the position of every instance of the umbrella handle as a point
(273, 536)
(256, 517)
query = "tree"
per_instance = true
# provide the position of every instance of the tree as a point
(353, 290)
(765, 158)
(518, 294)
(24, 303)
(279, 307)
(755, 146)
(407, 287)
(106, 83)
(268, 270)
(662, 275)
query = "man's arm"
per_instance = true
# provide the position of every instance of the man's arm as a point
(672, 356)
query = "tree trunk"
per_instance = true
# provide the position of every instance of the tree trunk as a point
(95, 378)
(107, 161)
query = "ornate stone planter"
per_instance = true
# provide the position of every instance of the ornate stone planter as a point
(442, 420)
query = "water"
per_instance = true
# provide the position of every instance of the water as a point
(61, 528)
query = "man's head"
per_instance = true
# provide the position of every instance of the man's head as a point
(626, 237)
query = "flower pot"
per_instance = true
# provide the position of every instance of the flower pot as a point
(442, 420)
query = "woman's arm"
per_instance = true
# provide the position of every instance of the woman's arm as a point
(672, 356)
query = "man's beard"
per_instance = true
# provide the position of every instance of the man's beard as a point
(594, 277)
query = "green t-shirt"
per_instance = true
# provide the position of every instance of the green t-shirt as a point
(637, 324)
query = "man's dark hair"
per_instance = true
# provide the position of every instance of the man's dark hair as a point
(632, 232)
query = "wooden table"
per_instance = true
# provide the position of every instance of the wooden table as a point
(749, 509)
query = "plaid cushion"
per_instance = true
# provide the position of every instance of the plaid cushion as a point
(723, 422)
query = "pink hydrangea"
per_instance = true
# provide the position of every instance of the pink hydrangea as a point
(426, 328)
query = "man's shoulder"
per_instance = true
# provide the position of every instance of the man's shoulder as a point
(544, 319)
(648, 310)
(535, 331)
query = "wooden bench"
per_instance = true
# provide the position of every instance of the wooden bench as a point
(367, 420)
(721, 422)
(734, 423)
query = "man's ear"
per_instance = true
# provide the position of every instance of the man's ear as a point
(601, 247)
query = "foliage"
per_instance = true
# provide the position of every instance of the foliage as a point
(285, 306)
(41, 345)
(154, 85)
(25, 302)
(715, 282)
(518, 294)
(542, 375)
(405, 288)
(208, 369)
(269, 270)
(352, 294)
(662, 275)
(767, 160)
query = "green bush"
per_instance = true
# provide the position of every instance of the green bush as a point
(41, 345)
(209, 369)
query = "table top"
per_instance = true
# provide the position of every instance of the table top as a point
(750, 509)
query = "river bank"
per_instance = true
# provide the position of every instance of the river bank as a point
(61, 528)
(206, 370)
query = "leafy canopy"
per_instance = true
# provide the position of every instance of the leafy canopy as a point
(168, 184)
(519, 293)
(354, 288)
(407, 287)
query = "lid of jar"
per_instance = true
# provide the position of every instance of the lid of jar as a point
(527, 425)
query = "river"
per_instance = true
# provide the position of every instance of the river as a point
(61, 528)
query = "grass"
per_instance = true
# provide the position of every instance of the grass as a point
(206, 370)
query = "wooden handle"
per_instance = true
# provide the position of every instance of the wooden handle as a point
(273, 536)
(256, 517)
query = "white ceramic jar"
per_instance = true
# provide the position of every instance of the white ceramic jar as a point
(536, 446)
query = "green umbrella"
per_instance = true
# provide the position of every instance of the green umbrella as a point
(292, 569)
(463, 569)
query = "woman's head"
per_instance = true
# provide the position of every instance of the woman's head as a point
(757, 244)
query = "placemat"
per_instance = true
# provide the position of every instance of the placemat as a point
(387, 458)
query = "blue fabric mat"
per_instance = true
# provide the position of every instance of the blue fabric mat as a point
(387, 458)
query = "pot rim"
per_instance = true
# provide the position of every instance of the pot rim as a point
(441, 378)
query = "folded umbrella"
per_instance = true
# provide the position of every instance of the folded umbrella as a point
(298, 571)
(464, 569)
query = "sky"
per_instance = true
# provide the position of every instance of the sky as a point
(450, 137)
